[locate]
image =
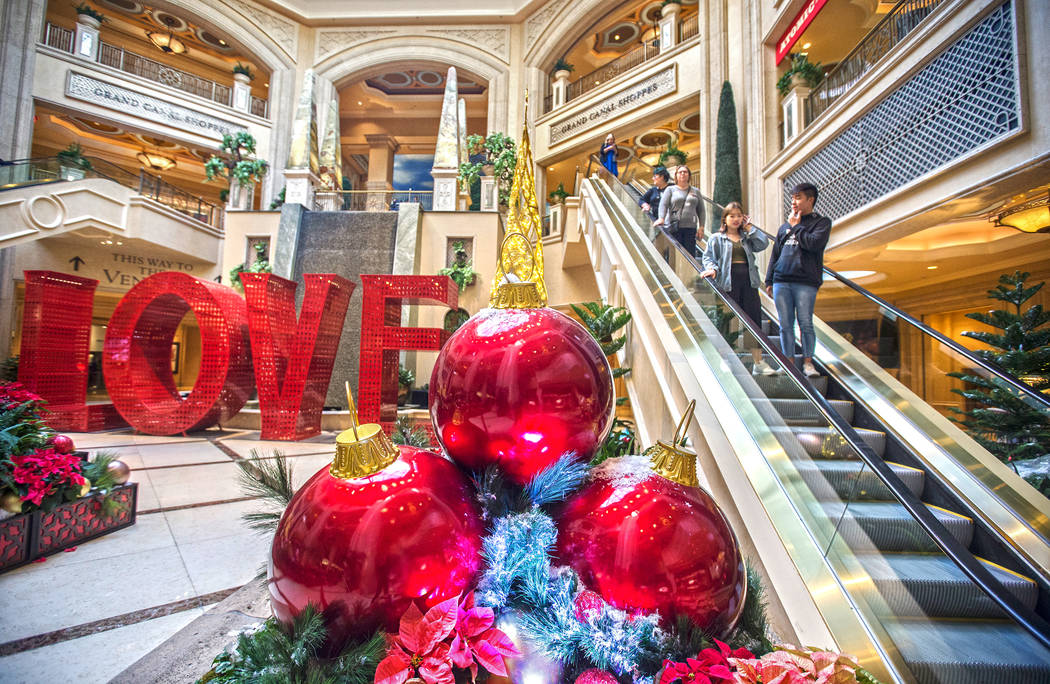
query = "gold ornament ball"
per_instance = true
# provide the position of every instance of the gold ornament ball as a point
(119, 470)
(11, 502)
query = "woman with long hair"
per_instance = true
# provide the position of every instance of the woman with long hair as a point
(730, 260)
(682, 209)
(608, 155)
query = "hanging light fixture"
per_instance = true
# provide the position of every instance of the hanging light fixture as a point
(1030, 217)
(167, 42)
(155, 161)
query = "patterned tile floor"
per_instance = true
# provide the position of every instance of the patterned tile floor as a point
(85, 615)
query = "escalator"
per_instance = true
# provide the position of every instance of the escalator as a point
(942, 554)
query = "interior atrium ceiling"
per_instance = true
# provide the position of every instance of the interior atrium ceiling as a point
(406, 11)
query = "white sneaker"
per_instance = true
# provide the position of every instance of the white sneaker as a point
(810, 370)
(763, 368)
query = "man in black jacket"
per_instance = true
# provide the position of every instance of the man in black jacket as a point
(650, 201)
(796, 269)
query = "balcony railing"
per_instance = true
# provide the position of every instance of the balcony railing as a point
(152, 70)
(901, 20)
(688, 29)
(23, 172)
(371, 200)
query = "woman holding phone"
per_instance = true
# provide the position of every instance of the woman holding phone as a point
(730, 260)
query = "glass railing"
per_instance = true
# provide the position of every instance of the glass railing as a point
(371, 200)
(934, 611)
(24, 172)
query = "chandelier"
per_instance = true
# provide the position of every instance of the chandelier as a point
(167, 42)
(155, 161)
(1030, 217)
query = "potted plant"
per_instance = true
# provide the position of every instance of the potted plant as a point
(236, 163)
(558, 194)
(72, 162)
(260, 265)
(500, 157)
(462, 269)
(243, 73)
(405, 380)
(801, 72)
(562, 69)
(672, 156)
(88, 15)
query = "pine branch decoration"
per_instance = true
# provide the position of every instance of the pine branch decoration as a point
(269, 479)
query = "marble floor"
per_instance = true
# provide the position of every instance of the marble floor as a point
(86, 614)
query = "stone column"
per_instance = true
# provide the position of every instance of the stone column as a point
(302, 174)
(381, 149)
(21, 24)
(669, 26)
(489, 194)
(463, 199)
(560, 88)
(242, 92)
(793, 109)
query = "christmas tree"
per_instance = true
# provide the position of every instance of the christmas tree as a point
(1004, 422)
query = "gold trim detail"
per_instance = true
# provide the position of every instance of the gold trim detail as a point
(363, 449)
(521, 254)
(673, 461)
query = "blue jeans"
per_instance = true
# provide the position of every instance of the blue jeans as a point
(795, 302)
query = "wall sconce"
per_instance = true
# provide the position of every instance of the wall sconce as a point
(166, 42)
(155, 161)
(1029, 217)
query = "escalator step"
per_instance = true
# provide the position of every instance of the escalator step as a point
(843, 479)
(970, 652)
(803, 412)
(783, 387)
(824, 442)
(887, 526)
(932, 585)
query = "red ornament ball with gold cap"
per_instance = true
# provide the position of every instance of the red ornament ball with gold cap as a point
(519, 388)
(363, 548)
(646, 543)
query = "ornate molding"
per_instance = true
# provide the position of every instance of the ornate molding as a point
(330, 42)
(495, 40)
(284, 32)
(537, 23)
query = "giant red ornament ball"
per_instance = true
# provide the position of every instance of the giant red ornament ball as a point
(648, 544)
(519, 388)
(63, 444)
(361, 549)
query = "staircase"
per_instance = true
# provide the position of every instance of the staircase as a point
(945, 627)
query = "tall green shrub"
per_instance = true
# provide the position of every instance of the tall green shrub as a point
(727, 151)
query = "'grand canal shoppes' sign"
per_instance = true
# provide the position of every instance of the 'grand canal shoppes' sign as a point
(651, 88)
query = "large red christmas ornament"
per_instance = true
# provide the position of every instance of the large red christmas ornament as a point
(63, 444)
(363, 538)
(520, 387)
(646, 537)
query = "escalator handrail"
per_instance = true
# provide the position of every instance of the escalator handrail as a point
(960, 555)
(990, 367)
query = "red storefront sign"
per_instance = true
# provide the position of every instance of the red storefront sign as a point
(799, 24)
(292, 358)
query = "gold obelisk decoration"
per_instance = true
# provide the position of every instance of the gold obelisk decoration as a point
(673, 461)
(519, 273)
(363, 449)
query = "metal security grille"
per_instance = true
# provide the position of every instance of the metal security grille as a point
(967, 96)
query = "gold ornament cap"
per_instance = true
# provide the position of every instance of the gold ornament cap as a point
(363, 449)
(519, 273)
(672, 461)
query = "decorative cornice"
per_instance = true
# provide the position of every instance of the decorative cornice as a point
(329, 42)
(284, 32)
(495, 40)
(537, 23)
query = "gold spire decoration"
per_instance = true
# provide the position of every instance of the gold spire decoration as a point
(519, 273)
(672, 461)
(363, 449)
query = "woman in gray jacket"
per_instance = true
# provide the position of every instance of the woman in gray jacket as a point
(682, 210)
(730, 260)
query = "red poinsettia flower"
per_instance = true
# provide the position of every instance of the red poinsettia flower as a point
(448, 635)
(711, 666)
(44, 472)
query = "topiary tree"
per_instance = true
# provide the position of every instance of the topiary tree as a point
(727, 151)
(1004, 423)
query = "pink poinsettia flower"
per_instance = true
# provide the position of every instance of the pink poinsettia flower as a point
(790, 665)
(711, 666)
(448, 635)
